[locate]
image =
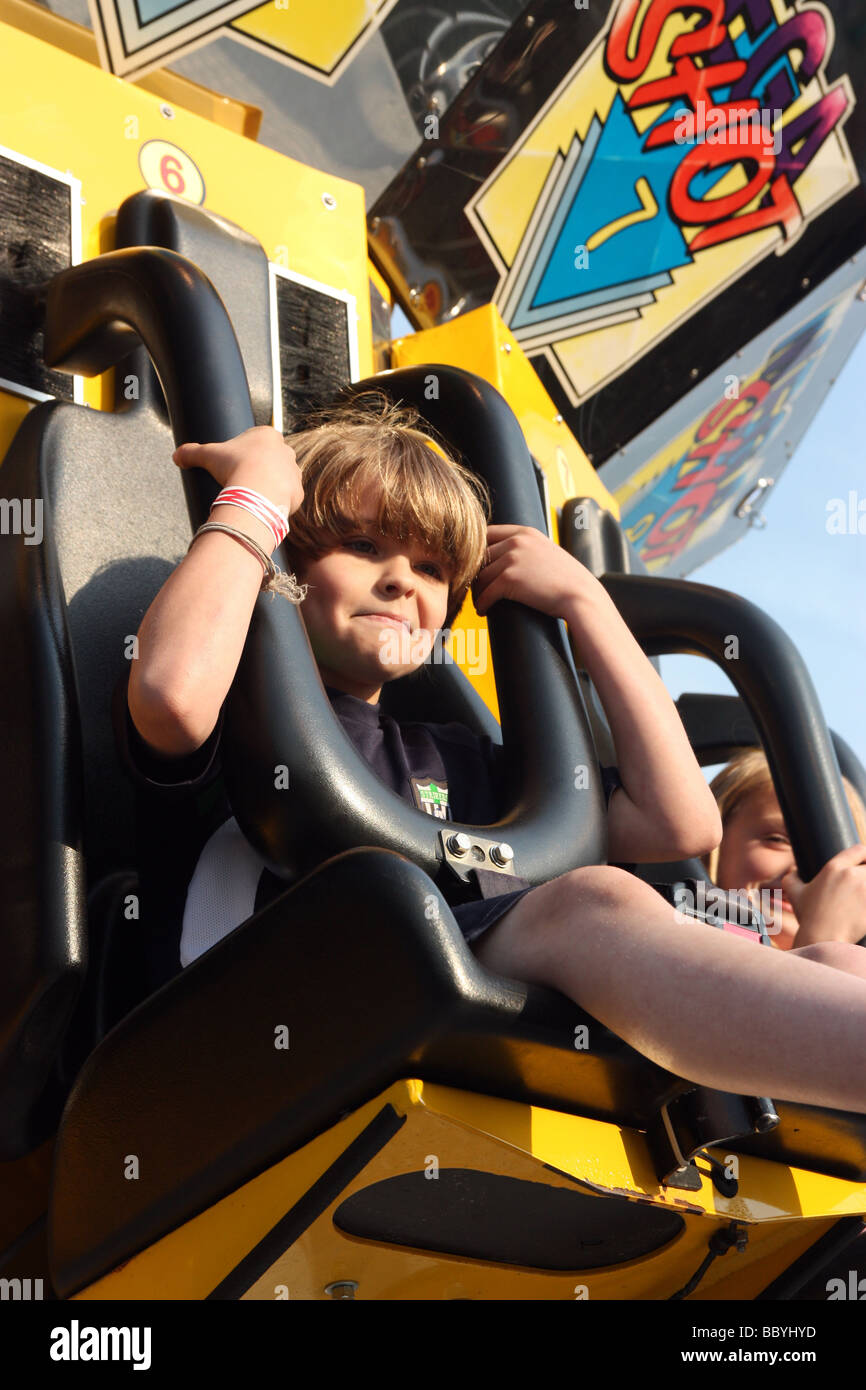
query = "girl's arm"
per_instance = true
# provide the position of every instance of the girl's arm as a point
(191, 637)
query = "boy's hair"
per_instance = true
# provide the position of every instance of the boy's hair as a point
(749, 772)
(424, 493)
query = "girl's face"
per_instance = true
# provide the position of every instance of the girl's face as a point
(756, 853)
(373, 608)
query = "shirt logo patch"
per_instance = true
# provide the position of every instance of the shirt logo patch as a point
(431, 797)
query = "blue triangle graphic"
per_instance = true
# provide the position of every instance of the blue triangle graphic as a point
(600, 189)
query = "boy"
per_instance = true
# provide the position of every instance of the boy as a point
(386, 536)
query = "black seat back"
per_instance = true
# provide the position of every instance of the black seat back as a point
(115, 516)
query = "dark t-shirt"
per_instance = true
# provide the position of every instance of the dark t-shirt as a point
(200, 878)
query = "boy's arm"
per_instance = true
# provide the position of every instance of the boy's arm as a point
(192, 636)
(664, 810)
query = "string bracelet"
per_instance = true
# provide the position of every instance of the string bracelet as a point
(274, 579)
(274, 517)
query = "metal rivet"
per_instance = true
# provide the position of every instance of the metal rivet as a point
(459, 843)
(805, 282)
(420, 161)
(166, 111)
(329, 201)
(693, 373)
(342, 1288)
(506, 347)
(557, 419)
(529, 21)
(375, 225)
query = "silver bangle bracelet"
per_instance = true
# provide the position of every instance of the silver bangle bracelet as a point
(273, 578)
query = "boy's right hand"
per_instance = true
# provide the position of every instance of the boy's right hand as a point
(259, 459)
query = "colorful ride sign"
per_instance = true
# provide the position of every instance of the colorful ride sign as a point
(644, 189)
(677, 153)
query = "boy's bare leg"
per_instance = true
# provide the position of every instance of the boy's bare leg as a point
(707, 1005)
(842, 955)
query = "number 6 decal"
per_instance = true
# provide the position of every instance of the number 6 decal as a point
(170, 169)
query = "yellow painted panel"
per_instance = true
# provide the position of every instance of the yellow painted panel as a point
(302, 30)
(616, 1160)
(190, 1261)
(69, 115)
(785, 1210)
(380, 282)
(79, 41)
(480, 342)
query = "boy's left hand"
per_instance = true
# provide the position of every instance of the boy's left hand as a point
(527, 566)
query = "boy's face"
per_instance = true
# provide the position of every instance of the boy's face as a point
(355, 589)
(756, 853)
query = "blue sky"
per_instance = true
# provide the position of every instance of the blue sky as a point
(811, 582)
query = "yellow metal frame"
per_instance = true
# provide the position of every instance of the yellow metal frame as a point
(480, 342)
(785, 1210)
(379, 281)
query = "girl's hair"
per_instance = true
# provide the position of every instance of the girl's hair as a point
(749, 772)
(424, 494)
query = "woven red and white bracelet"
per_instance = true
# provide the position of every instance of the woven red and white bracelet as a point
(274, 517)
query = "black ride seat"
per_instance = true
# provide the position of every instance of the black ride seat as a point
(348, 959)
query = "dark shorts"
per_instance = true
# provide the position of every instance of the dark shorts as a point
(477, 917)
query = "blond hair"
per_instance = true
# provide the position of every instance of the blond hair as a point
(749, 772)
(424, 494)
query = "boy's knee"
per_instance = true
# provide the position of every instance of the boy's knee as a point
(839, 954)
(603, 884)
